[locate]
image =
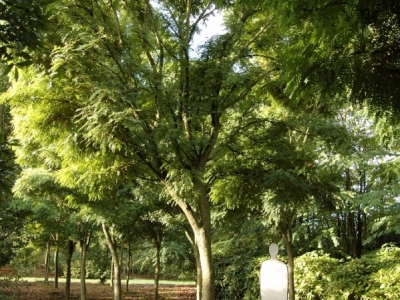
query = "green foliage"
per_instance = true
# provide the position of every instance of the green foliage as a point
(237, 258)
(21, 25)
(374, 276)
(318, 276)
(331, 49)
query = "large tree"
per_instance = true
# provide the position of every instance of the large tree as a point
(126, 75)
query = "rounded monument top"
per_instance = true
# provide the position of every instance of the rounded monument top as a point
(273, 250)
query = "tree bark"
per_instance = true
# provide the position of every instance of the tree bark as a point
(117, 288)
(56, 270)
(287, 239)
(47, 263)
(70, 251)
(112, 272)
(128, 266)
(198, 265)
(203, 242)
(200, 224)
(83, 244)
(353, 234)
(157, 270)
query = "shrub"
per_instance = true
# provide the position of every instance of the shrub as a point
(375, 276)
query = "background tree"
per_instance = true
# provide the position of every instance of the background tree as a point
(332, 49)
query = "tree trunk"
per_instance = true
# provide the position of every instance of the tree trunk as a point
(83, 268)
(121, 253)
(56, 270)
(112, 272)
(128, 266)
(157, 270)
(47, 263)
(287, 239)
(204, 246)
(198, 265)
(70, 251)
(117, 288)
(201, 226)
(360, 228)
(353, 234)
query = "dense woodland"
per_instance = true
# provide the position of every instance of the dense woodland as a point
(127, 149)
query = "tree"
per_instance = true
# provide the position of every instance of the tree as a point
(38, 190)
(331, 49)
(147, 101)
(22, 23)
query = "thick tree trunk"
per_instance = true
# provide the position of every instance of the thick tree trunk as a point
(56, 270)
(203, 239)
(203, 242)
(83, 268)
(198, 264)
(117, 288)
(200, 223)
(47, 263)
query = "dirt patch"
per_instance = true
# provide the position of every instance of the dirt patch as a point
(42, 291)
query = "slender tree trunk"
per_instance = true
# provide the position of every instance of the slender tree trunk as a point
(117, 288)
(287, 239)
(56, 270)
(121, 254)
(353, 234)
(112, 272)
(47, 263)
(83, 245)
(157, 270)
(128, 266)
(70, 251)
(360, 227)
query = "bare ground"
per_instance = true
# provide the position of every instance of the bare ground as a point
(95, 291)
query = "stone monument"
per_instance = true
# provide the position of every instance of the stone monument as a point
(273, 277)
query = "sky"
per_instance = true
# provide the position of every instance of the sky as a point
(214, 26)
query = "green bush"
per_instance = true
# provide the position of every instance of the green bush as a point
(375, 276)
